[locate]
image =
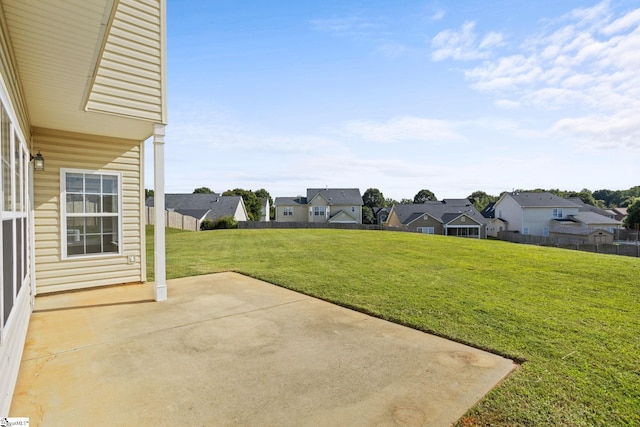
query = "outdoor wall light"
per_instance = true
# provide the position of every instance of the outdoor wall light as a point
(38, 163)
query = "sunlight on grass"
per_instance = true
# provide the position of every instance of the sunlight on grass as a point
(573, 316)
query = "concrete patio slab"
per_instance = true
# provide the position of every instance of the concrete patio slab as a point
(228, 350)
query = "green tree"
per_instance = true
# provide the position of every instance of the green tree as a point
(147, 193)
(587, 197)
(264, 194)
(251, 202)
(406, 201)
(203, 190)
(390, 202)
(373, 198)
(424, 196)
(367, 215)
(633, 215)
(480, 199)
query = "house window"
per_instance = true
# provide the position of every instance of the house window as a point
(5, 132)
(426, 230)
(557, 213)
(525, 230)
(92, 213)
(14, 226)
(288, 211)
(545, 231)
(318, 210)
(353, 208)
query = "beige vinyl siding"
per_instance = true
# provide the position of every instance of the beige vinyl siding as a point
(129, 77)
(86, 152)
(428, 222)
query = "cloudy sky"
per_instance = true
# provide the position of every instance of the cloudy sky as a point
(402, 95)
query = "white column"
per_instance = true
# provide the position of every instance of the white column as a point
(160, 290)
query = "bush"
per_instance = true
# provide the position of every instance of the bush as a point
(206, 224)
(224, 222)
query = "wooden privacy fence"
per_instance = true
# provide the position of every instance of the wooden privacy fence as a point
(174, 220)
(619, 248)
(274, 224)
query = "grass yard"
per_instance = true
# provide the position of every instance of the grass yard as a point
(573, 317)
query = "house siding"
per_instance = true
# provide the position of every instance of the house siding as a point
(10, 80)
(130, 77)
(511, 212)
(429, 222)
(299, 213)
(87, 152)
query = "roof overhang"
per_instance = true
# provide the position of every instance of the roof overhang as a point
(59, 52)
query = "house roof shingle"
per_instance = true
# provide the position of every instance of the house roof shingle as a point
(298, 200)
(541, 200)
(198, 205)
(337, 196)
(444, 211)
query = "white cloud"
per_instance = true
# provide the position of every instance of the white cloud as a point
(629, 20)
(438, 15)
(507, 104)
(463, 44)
(349, 26)
(603, 131)
(392, 49)
(404, 129)
(586, 63)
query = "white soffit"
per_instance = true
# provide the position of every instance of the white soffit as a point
(57, 45)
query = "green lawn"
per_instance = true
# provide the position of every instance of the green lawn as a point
(572, 317)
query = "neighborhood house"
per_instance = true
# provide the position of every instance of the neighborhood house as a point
(545, 214)
(329, 205)
(449, 217)
(204, 206)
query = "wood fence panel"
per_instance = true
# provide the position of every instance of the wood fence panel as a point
(174, 220)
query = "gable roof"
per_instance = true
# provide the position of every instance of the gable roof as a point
(343, 217)
(542, 199)
(444, 211)
(187, 200)
(336, 196)
(201, 206)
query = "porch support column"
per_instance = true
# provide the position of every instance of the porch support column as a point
(160, 290)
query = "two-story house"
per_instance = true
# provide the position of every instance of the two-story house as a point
(321, 205)
(540, 213)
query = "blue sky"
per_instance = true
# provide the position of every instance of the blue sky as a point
(402, 95)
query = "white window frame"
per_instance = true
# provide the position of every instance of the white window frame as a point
(18, 171)
(426, 230)
(64, 215)
(557, 212)
(287, 211)
(319, 210)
